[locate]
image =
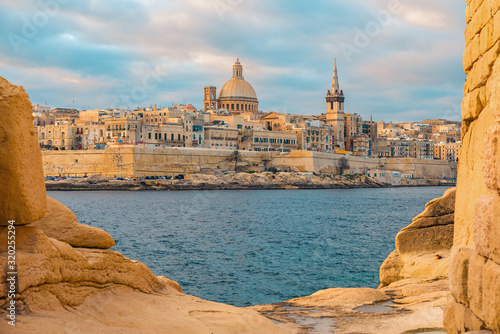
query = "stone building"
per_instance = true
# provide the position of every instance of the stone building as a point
(221, 138)
(267, 141)
(59, 136)
(166, 134)
(361, 145)
(236, 96)
(447, 151)
(240, 122)
(93, 134)
(352, 128)
(123, 129)
(313, 136)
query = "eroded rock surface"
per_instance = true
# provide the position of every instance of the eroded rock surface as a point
(404, 306)
(474, 303)
(22, 186)
(423, 247)
(61, 223)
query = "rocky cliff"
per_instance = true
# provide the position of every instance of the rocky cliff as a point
(62, 278)
(474, 303)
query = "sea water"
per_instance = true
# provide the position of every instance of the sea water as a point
(255, 246)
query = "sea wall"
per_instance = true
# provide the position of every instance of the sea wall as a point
(474, 303)
(131, 161)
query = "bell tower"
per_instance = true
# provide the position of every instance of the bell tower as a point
(210, 98)
(335, 110)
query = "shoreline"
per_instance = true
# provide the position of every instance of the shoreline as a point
(240, 181)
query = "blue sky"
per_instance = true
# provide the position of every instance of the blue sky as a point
(398, 60)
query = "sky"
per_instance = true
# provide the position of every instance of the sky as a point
(398, 60)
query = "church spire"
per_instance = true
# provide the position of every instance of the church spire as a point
(335, 80)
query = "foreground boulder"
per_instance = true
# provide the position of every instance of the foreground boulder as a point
(423, 247)
(83, 290)
(61, 223)
(21, 172)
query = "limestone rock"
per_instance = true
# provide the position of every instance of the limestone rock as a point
(61, 223)
(424, 222)
(459, 272)
(459, 319)
(440, 206)
(423, 247)
(42, 260)
(120, 309)
(491, 296)
(491, 159)
(426, 240)
(417, 304)
(99, 291)
(390, 271)
(22, 184)
(431, 265)
(487, 227)
(470, 180)
(337, 297)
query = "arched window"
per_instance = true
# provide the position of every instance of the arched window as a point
(232, 106)
(237, 106)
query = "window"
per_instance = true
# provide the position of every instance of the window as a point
(149, 135)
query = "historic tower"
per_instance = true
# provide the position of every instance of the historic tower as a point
(210, 100)
(335, 110)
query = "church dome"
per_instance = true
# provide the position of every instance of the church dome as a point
(237, 89)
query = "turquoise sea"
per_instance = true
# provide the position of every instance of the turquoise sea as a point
(255, 246)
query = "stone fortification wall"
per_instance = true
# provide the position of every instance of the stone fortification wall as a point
(130, 160)
(143, 161)
(474, 303)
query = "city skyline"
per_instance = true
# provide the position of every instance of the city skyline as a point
(397, 63)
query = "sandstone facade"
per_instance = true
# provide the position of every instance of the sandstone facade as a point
(474, 303)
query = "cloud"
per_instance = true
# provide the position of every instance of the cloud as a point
(101, 50)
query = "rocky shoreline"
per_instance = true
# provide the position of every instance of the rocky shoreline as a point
(239, 181)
